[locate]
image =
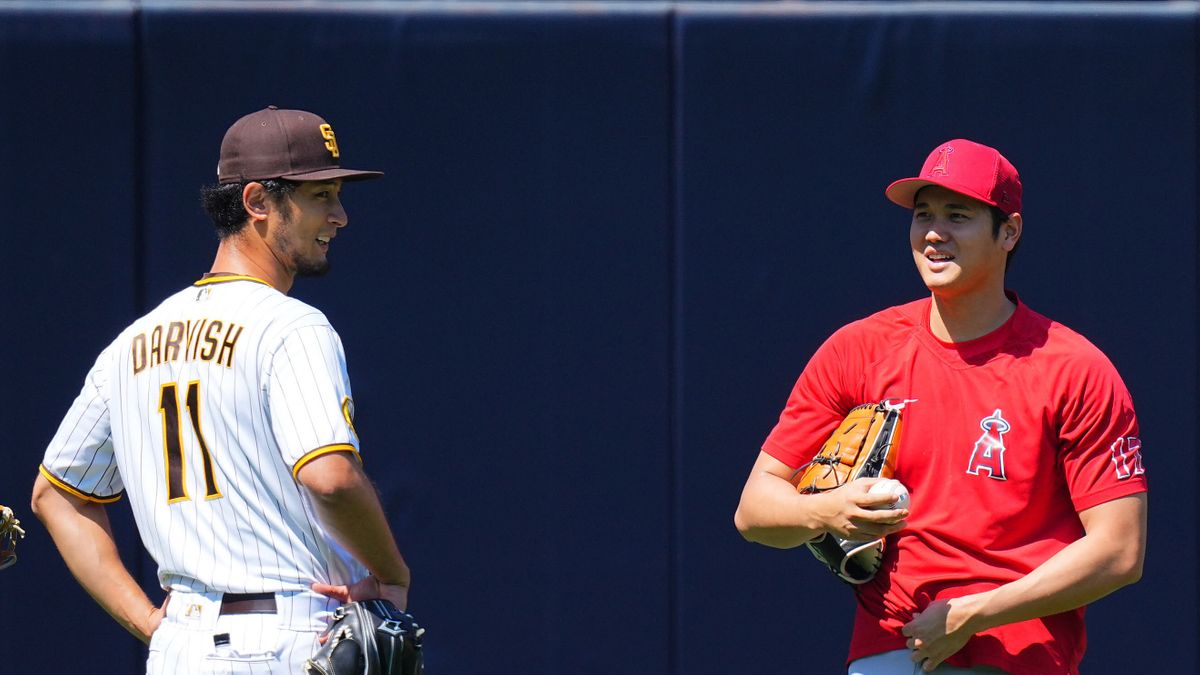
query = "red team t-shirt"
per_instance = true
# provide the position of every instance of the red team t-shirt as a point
(1005, 439)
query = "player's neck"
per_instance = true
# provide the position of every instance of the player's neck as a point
(238, 254)
(969, 316)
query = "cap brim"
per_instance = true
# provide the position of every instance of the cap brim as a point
(904, 191)
(330, 174)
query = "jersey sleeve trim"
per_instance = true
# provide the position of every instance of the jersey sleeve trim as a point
(222, 278)
(774, 449)
(58, 483)
(1123, 489)
(310, 456)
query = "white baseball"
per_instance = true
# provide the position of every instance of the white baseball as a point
(892, 487)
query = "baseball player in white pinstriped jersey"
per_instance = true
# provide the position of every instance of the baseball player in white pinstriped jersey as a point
(226, 415)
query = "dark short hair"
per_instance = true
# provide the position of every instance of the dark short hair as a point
(999, 217)
(223, 203)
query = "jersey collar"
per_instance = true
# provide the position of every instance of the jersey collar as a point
(221, 277)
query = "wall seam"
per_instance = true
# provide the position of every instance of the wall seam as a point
(138, 243)
(1196, 249)
(675, 331)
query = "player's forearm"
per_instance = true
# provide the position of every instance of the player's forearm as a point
(351, 512)
(84, 538)
(1074, 577)
(1104, 560)
(772, 513)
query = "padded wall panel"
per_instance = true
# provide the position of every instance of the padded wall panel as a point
(793, 120)
(505, 294)
(501, 294)
(70, 174)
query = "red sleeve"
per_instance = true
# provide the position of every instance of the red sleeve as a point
(1101, 451)
(816, 406)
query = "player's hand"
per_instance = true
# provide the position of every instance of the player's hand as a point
(153, 620)
(851, 513)
(937, 633)
(367, 588)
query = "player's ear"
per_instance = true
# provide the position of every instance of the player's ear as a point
(1010, 231)
(256, 201)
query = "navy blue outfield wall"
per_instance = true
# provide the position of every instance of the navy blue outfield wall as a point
(609, 237)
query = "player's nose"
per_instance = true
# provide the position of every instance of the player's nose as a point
(338, 216)
(934, 233)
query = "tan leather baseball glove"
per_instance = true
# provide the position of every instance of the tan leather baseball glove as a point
(865, 445)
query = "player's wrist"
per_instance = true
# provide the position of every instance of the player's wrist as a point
(820, 512)
(968, 614)
(397, 577)
(143, 623)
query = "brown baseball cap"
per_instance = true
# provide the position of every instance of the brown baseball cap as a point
(290, 144)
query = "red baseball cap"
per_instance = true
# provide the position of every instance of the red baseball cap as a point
(290, 144)
(968, 168)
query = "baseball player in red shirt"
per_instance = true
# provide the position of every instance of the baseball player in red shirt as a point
(1019, 448)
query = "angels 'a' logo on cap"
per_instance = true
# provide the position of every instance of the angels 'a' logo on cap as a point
(330, 141)
(942, 167)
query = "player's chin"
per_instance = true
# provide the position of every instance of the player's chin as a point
(940, 279)
(312, 267)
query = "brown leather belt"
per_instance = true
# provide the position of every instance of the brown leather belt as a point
(247, 603)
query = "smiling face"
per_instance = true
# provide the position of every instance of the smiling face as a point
(953, 245)
(308, 220)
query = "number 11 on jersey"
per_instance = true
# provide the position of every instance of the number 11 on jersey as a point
(176, 468)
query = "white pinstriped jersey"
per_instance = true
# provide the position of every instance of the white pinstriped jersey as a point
(203, 411)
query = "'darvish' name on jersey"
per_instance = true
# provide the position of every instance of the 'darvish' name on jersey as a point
(190, 340)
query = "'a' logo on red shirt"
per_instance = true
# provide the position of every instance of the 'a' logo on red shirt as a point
(988, 454)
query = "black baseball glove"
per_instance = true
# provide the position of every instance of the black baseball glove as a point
(369, 637)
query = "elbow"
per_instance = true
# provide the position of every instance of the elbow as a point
(1129, 571)
(756, 534)
(747, 526)
(743, 527)
(39, 502)
(1126, 566)
(1130, 561)
(1133, 577)
(35, 505)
